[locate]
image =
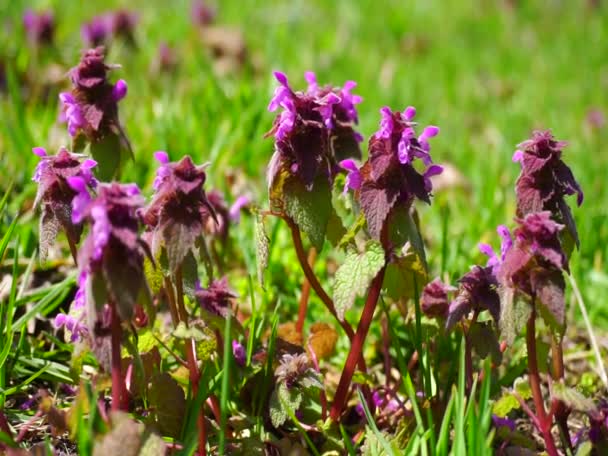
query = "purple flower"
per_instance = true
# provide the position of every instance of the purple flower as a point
(111, 257)
(314, 129)
(216, 298)
(434, 299)
(353, 178)
(494, 261)
(122, 24)
(180, 211)
(503, 422)
(477, 291)
(293, 369)
(201, 13)
(56, 197)
(239, 353)
(389, 178)
(91, 108)
(97, 31)
(545, 180)
(74, 322)
(40, 27)
(533, 265)
(234, 213)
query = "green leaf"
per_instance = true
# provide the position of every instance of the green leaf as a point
(503, 406)
(404, 227)
(514, 314)
(168, 404)
(355, 274)
(192, 332)
(281, 399)
(573, 399)
(262, 246)
(484, 341)
(107, 153)
(405, 276)
(309, 209)
(349, 236)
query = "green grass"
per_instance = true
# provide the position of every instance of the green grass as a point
(485, 73)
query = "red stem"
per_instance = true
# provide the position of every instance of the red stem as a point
(119, 396)
(561, 410)
(192, 364)
(356, 346)
(314, 283)
(312, 255)
(544, 420)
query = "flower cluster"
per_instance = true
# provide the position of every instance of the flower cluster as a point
(313, 130)
(91, 107)
(216, 298)
(388, 178)
(119, 24)
(434, 300)
(55, 196)
(111, 257)
(180, 209)
(74, 322)
(40, 27)
(545, 179)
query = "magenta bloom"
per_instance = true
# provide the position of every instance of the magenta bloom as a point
(234, 213)
(353, 176)
(545, 180)
(533, 266)
(97, 31)
(180, 210)
(74, 322)
(239, 353)
(494, 261)
(55, 197)
(40, 27)
(91, 108)
(111, 257)
(389, 178)
(216, 298)
(314, 130)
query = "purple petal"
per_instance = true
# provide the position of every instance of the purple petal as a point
(120, 90)
(518, 156)
(282, 78)
(234, 213)
(88, 164)
(40, 151)
(77, 183)
(162, 157)
(409, 113)
(486, 249)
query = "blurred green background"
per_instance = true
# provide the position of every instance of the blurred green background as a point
(486, 72)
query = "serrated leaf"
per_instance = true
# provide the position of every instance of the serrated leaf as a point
(189, 332)
(503, 406)
(107, 154)
(514, 314)
(484, 340)
(281, 400)
(573, 399)
(405, 277)
(189, 274)
(349, 236)
(168, 404)
(355, 274)
(376, 204)
(179, 240)
(309, 209)
(49, 228)
(262, 246)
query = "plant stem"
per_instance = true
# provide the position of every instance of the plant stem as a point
(356, 346)
(191, 359)
(73, 249)
(171, 299)
(557, 372)
(119, 396)
(314, 282)
(544, 420)
(312, 255)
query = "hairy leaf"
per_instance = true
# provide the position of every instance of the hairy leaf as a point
(282, 400)
(514, 314)
(355, 274)
(405, 276)
(376, 203)
(49, 227)
(168, 404)
(573, 399)
(309, 209)
(262, 246)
